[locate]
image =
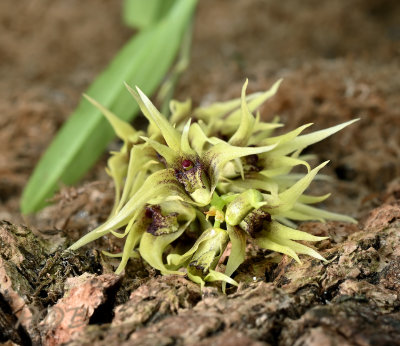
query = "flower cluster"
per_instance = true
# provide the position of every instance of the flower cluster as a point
(207, 177)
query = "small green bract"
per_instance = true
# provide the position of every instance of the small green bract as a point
(205, 178)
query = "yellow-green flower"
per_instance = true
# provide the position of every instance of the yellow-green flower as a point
(205, 178)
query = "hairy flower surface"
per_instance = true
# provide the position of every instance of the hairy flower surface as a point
(208, 177)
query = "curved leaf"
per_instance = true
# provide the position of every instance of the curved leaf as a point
(144, 60)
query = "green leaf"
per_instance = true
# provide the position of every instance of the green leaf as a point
(142, 14)
(167, 88)
(143, 61)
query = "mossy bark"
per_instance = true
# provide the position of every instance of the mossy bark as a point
(351, 300)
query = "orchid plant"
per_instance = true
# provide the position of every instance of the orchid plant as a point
(207, 177)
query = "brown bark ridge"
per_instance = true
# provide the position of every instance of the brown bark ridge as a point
(353, 299)
(32, 278)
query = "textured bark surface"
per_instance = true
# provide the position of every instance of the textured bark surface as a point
(354, 299)
(339, 61)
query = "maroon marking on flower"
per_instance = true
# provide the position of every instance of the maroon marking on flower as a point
(255, 221)
(187, 164)
(160, 224)
(149, 212)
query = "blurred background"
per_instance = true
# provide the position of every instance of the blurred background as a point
(339, 59)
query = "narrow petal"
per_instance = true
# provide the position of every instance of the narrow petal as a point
(220, 109)
(301, 249)
(238, 251)
(152, 248)
(170, 134)
(198, 138)
(304, 141)
(263, 130)
(245, 129)
(278, 165)
(298, 216)
(287, 137)
(224, 152)
(196, 279)
(322, 214)
(290, 196)
(166, 152)
(221, 153)
(180, 111)
(284, 232)
(307, 199)
(158, 187)
(117, 169)
(270, 244)
(217, 276)
(185, 146)
(284, 221)
(254, 181)
(139, 160)
(123, 130)
(135, 231)
(257, 101)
